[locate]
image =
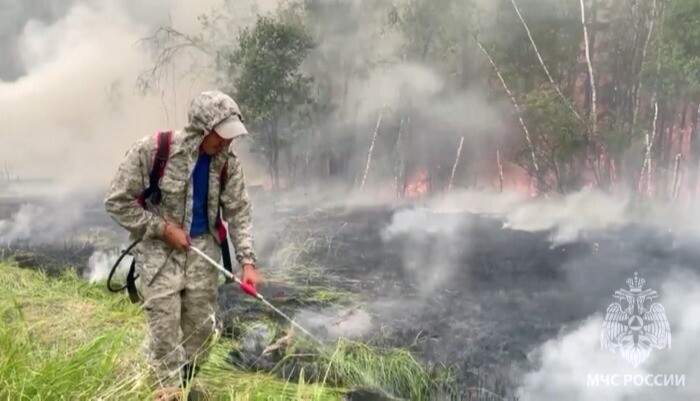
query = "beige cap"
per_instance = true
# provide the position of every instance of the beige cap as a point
(231, 128)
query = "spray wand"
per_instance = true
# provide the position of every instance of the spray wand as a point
(250, 290)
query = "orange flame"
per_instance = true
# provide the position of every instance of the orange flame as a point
(418, 185)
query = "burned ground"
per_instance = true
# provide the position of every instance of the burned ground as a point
(454, 289)
(484, 307)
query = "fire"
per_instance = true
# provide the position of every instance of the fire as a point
(418, 185)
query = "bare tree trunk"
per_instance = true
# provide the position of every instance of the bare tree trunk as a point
(454, 166)
(649, 141)
(371, 147)
(269, 153)
(399, 166)
(427, 42)
(694, 159)
(531, 147)
(273, 153)
(672, 145)
(291, 162)
(676, 177)
(591, 76)
(275, 159)
(598, 149)
(638, 96)
(500, 167)
(307, 160)
(544, 67)
(407, 133)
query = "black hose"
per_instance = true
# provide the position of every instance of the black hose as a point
(114, 267)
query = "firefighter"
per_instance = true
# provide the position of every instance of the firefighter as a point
(201, 184)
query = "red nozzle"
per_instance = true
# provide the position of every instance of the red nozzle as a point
(249, 289)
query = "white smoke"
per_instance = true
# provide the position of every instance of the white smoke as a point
(390, 85)
(351, 322)
(428, 257)
(100, 264)
(568, 217)
(39, 223)
(571, 217)
(571, 362)
(76, 110)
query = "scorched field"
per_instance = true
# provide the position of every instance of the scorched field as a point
(410, 301)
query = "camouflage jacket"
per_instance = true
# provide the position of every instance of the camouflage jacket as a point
(132, 178)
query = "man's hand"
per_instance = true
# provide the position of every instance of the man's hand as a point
(250, 275)
(176, 237)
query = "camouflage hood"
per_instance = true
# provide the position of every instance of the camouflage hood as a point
(210, 108)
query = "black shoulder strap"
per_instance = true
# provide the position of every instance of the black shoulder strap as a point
(163, 141)
(159, 161)
(131, 283)
(223, 235)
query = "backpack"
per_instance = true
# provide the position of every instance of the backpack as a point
(153, 192)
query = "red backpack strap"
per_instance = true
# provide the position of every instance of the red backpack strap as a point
(160, 160)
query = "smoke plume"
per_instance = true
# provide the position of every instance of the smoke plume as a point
(100, 264)
(570, 363)
(429, 258)
(75, 109)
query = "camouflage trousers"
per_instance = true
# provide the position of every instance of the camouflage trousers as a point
(180, 299)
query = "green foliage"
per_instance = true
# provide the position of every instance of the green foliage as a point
(265, 67)
(558, 136)
(683, 26)
(274, 94)
(555, 27)
(679, 53)
(614, 138)
(639, 48)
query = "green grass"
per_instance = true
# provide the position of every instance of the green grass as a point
(62, 338)
(65, 339)
(355, 364)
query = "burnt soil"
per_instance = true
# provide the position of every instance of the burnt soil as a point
(474, 295)
(493, 295)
